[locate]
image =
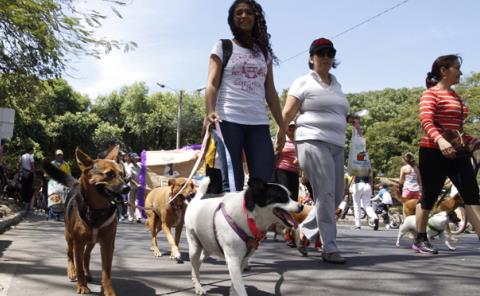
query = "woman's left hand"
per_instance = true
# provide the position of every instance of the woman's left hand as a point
(279, 142)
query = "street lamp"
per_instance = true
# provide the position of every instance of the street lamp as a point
(179, 109)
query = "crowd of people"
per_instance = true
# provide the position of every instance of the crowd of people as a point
(320, 112)
(311, 131)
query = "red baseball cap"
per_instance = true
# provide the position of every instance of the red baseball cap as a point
(320, 43)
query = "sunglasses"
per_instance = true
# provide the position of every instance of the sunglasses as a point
(326, 52)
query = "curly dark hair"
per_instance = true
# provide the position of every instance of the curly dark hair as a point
(260, 37)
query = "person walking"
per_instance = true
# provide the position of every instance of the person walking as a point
(27, 170)
(361, 195)
(236, 94)
(60, 163)
(134, 169)
(410, 182)
(442, 109)
(320, 139)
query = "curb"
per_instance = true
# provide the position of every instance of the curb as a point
(13, 220)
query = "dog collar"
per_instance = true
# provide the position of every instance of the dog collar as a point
(433, 228)
(250, 242)
(258, 235)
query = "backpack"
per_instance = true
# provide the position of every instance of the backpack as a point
(227, 49)
(215, 186)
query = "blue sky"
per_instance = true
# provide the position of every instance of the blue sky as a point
(175, 39)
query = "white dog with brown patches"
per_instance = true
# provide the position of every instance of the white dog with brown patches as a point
(231, 226)
(436, 227)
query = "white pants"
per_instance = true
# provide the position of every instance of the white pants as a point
(361, 195)
(323, 164)
(133, 213)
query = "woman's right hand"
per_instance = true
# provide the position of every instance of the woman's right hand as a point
(446, 148)
(211, 118)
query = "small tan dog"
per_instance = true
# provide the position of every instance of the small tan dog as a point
(164, 213)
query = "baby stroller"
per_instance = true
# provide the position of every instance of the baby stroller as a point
(56, 200)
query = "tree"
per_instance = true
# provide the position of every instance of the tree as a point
(38, 36)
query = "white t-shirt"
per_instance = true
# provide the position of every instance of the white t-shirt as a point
(27, 161)
(241, 97)
(323, 111)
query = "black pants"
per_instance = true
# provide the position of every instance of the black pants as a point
(435, 168)
(27, 187)
(289, 180)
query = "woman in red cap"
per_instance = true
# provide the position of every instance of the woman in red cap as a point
(320, 139)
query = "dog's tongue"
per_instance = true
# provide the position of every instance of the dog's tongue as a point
(292, 221)
(286, 215)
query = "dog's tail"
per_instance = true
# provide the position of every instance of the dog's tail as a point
(397, 195)
(203, 187)
(58, 175)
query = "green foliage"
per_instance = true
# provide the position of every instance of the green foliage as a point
(391, 127)
(37, 36)
(53, 116)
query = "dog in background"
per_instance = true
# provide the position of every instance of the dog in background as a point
(437, 225)
(91, 215)
(163, 213)
(232, 225)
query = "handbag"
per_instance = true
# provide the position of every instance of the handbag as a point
(457, 138)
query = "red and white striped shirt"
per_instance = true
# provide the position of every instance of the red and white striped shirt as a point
(440, 109)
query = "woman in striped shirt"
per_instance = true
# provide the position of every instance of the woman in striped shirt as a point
(442, 108)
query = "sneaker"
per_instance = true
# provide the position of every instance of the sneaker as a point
(375, 224)
(424, 247)
(356, 228)
(334, 258)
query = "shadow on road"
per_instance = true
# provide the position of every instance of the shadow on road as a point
(4, 244)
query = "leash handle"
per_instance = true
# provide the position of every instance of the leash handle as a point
(231, 176)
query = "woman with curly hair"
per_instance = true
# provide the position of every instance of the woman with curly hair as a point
(236, 93)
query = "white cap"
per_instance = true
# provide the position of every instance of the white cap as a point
(58, 152)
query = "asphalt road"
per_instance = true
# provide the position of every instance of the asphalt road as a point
(33, 262)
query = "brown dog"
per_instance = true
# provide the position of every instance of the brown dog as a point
(91, 215)
(164, 213)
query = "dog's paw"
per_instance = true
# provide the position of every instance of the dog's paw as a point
(450, 247)
(82, 289)
(72, 277)
(397, 244)
(177, 258)
(156, 252)
(199, 290)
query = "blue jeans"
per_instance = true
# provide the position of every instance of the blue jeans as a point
(255, 141)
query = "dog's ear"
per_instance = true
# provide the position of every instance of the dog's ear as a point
(83, 160)
(113, 154)
(256, 184)
(256, 188)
